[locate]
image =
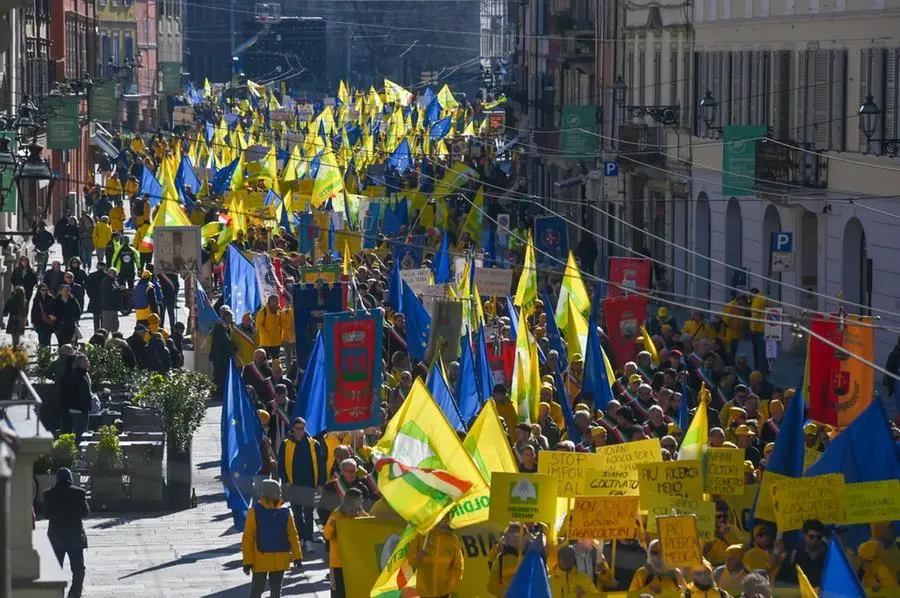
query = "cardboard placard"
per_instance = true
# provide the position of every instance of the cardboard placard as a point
(524, 497)
(569, 470)
(679, 541)
(671, 478)
(703, 510)
(418, 279)
(724, 471)
(604, 517)
(604, 482)
(795, 500)
(871, 502)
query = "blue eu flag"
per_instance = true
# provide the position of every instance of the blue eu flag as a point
(241, 289)
(418, 324)
(241, 459)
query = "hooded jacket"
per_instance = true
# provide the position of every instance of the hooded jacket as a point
(268, 327)
(441, 567)
(270, 541)
(564, 584)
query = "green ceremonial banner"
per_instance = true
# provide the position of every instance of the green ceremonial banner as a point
(102, 101)
(7, 178)
(171, 76)
(579, 127)
(739, 159)
(64, 127)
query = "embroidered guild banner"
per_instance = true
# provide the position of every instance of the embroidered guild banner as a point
(353, 356)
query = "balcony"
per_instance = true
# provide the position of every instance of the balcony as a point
(579, 44)
(643, 143)
(787, 165)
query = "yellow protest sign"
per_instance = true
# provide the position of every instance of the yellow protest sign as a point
(679, 541)
(795, 500)
(369, 543)
(724, 471)
(627, 456)
(605, 482)
(671, 478)
(870, 502)
(525, 497)
(569, 469)
(740, 507)
(704, 510)
(604, 517)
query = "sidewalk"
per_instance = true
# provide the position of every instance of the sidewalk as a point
(191, 553)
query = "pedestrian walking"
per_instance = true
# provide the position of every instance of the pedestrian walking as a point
(65, 312)
(66, 507)
(110, 300)
(270, 542)
(24, 275)
(86, 238)
(15, 310)
(301, 463)
(40, 315)
(94, 287)
(101, 236)
(77, 397)
(351, 508)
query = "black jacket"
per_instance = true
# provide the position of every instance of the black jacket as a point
(67, 313)
(41, 307)
(110, 294)
(66, 507)
(77, 395)
(24, 277)
(94, 288)
(53, 278)
(136, 343)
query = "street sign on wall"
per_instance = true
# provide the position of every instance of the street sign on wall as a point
(64, 126)
(782, 249)
(579, 128)
(102, 102)
(171, 76)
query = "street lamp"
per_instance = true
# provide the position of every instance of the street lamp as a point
(667, 116)
(869, 115)
(29, 176)
(708, 108)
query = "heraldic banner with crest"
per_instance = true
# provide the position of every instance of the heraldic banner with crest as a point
(624, 316)
(353, 378)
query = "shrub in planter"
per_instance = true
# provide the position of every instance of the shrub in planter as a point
(107, 367)
(181, 399)
(106, 471)
(64, 452)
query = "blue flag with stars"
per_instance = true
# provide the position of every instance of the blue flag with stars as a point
(241, 288)
(440, 391)
(418, 324)
(241, 459)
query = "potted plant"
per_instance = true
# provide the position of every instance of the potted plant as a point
(108, 369)
(106, 472)
(12, 361)
(181, 397)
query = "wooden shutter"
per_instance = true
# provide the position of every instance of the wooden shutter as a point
(629, 75)
(838, 108)
(657, 74)
(674, 75)
(892, 95)
(756, 92)
(802, 96)
(821, 92)
(688, 99)
(782, 111)
(865, 62)
(642, 76)
(725, 105)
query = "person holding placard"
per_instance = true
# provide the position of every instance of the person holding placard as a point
(439, 561)
(810, 555)
(654, 578)
(726, 535)
(507, 558)
(877, 579)
(766, 553)
(566, 580)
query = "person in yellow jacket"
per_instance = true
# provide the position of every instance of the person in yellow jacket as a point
(270, 542)
(153, 327)
(703, 585)
(117, 217)
(113, 187)
(876, 577)
(726, 535)
(506, 557)
(101, 237)
(653, 578)
(566, 581)
(132, 186)
(734, 324)
(764, 554)
(730, 575)
(698, 327)
(288, 332)
(145, 250)
(351, 508)
(439, 559)
(888, 551)
(757, 330)
(268, 327)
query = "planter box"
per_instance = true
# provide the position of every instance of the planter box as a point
(106, 490)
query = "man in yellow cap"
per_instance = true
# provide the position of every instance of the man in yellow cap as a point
(764, 554)
(598, 438)
(811, 435)
(703, 584)
(730, 574)
(556, 413)
(439, 561)
(886, 535)
(574, 376)
(744, 438)
(549, 429)
(876, 577)
(663, 319)
(631, 391)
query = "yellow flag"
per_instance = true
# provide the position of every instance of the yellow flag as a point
(346, 259)
(526, 291)
(526, 384)
(697, 435)
(806, 588)
(572, 286)
(396, 94)
(329, 180)
(576, 330)
(446, 99)
(649, 345)
(474, 218)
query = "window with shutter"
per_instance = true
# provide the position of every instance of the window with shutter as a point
(727, 103)
(736, 91)
(878, 89)
(865, 62)
(674, 75)
(642, 74)
(802, 97)
(747, 88)
(782, 112)
(698, 81)
(892, 95)
(838, 109)
(629, 75)
(687, 94)
(821, 118)
(755, 90)
(657, 74)
(764, 109)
